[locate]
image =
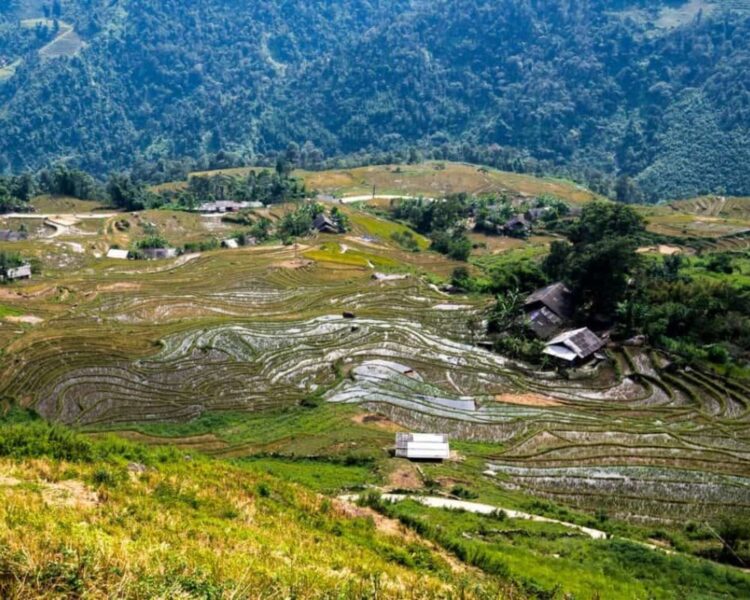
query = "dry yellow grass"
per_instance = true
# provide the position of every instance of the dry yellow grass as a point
(196, 529)
(428, 179)
(438, 179)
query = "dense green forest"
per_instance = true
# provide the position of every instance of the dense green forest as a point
(658, 92)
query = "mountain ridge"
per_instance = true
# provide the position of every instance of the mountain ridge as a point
(585, 89)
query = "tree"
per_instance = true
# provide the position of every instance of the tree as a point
(340, 219)
(125, 193)
(600, 259)
(598, 274)
(23, 187)
(627, 191)
(283, 167)
(605, 220)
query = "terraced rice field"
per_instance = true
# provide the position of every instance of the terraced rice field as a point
(117, 343)
(709, 219)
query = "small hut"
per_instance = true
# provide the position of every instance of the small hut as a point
(118, 254)
(13, 273)
(324, 224)
(422, 446)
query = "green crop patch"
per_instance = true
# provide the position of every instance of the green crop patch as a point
(321, 475)
(384, 230)
(340, 254)
(9, 311)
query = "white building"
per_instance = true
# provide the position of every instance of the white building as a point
(118, 254)
(159, 253)
(422, 446)
(22, 272)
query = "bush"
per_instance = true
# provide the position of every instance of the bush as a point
(406, 240)
(40, 439)
(462, 492)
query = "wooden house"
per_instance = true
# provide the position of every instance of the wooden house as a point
(548, 309)
(324, 224)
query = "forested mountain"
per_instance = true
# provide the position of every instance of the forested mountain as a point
(658, 91)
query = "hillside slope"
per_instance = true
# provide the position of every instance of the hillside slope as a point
(113, 519)
(654, 90)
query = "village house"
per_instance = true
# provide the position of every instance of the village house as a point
(14, 273)
(574, 347)
(422, 446)
(159, 253)
(534, 214)
(226, 206)
(324, 224)
(518, 226)
(12, 236)
(548, 309)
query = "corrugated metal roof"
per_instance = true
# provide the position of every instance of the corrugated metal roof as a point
(581, 342)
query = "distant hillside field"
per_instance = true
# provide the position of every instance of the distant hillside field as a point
(430, 179)
(656, 91)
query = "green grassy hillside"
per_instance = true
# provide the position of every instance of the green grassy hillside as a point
(114, 519)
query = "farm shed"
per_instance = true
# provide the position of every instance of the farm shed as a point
(422, 446)
(548, 309)
(117, 253)
(324, 224)
(13, 273)
(574, 347)
(230, 243)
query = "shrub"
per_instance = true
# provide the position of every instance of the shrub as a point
(462, 492)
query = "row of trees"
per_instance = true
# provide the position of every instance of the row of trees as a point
(126, 192)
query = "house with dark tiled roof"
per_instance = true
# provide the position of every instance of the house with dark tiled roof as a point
(325, 225)
(534, 214)
(159, 253)
(548, 309)
(517, 226)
